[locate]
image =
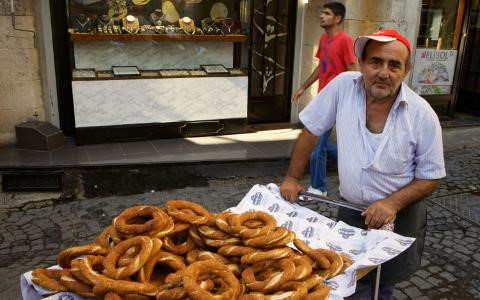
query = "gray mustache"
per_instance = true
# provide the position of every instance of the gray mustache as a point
(383, 82)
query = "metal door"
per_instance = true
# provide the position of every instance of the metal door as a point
(271, 58)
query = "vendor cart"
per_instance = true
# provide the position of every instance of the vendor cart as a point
(328, 200)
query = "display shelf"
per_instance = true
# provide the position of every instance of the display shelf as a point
(155, 74)
(91, 37)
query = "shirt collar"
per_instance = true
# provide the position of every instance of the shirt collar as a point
(401, 97)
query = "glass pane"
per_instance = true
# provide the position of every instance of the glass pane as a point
(258, 27)
(270, 29)
(86, 15)
(269, 70)
(475, 20)
(277, 7)
(259, 5)
(156, 34)
(256, 84)
(438, 24)
(282, 29)
(280, 69)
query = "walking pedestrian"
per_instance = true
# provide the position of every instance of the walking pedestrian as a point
(335, 55)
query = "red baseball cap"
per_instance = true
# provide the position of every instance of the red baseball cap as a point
(384, 36)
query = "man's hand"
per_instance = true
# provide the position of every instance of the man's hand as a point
(379, 213)
(290, 188)
(298, 93)
(383, 211)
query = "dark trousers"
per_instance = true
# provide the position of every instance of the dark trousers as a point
(411, 222)
(364, 291)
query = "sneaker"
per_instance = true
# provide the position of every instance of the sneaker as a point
(316, 191)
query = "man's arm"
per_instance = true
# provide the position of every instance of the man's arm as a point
(291, 186)
(310, 80)
(384, 211)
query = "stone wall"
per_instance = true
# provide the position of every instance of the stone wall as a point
(362, 17)
(20, 81)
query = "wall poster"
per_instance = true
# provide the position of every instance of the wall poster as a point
(433, 71)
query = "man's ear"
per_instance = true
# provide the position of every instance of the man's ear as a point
(338, 19)
(408, 67)
(360, 64)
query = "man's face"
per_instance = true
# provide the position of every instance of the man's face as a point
(328, 18)
(384, 68)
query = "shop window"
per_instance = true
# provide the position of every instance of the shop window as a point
(437, 44)
(438, 24)
(158, 67)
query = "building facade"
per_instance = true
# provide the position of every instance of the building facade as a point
(21, 92)
(50, 65)
(443, 34)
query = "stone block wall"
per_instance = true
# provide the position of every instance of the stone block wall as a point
(20, 80)
(363, 17)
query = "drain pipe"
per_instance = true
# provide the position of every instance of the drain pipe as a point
(12, 9)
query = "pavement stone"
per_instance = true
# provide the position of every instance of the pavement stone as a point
(422, 274)
(397, 294)
(412, 292)
(420, 283)
(448, 276)
(450, 266)
(476, 256)
(403, 285)
(464, 258)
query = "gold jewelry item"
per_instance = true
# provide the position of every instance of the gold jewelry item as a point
(131, 24)
(117, 9)
(228, 24)
(187, 25)
(140, 2)
(170, 12)
(218, 12)
(159, 29)
(170, 29)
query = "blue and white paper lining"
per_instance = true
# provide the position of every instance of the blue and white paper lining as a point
(366, 248)
(31, 291)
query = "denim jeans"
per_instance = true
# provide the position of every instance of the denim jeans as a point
(318, 161)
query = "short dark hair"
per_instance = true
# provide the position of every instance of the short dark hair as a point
(337, 8)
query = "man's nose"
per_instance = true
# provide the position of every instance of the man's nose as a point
(383, 72)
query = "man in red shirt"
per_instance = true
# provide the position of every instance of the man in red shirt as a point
(335, 55)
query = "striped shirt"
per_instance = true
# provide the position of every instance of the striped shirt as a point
(410, 147)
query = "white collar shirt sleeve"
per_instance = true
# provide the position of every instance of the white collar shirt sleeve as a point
(429, 160)
(320, 114)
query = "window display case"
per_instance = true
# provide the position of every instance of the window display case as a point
(437, 53)
(166, 45)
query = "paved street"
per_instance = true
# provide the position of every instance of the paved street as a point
(450, 265)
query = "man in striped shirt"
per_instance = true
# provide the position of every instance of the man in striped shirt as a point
(390, 151)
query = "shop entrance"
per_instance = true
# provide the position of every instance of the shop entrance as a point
(271, 58)
(469, 87)
(439, 53)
